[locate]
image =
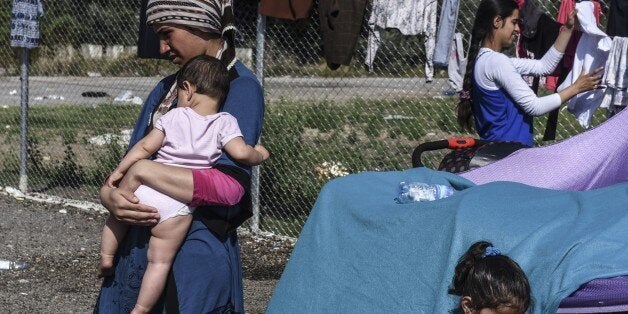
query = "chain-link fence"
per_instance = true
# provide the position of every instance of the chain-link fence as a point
(86, 87)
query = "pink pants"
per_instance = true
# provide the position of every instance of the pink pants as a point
(213, 187)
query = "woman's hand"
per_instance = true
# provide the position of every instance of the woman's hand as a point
(125, 207)
(588, 81)
(572, 20)
(566, 31)
(585, 82)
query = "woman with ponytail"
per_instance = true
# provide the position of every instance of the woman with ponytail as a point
(494, 93)
(206, 274)
(489, 282)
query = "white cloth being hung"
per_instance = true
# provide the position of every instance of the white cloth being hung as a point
(615, 75)
(410, 17)
(591, 53)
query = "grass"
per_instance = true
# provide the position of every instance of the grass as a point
(310, 141)
(60, 153)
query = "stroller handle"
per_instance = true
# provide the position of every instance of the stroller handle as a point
(451, 143)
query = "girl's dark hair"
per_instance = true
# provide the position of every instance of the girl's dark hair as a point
(482, 27)
(208, 74)
(492, 281)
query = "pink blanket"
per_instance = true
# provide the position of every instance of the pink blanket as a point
(593, 159)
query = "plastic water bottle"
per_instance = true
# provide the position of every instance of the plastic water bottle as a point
(420, 192)
(11, 265)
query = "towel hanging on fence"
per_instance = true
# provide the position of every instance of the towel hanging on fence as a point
(446, 29)
(591, 53)
(340, 28)
(566, 6)
(286, 9)
(410, 17)
(530, 15)
(615, 75)
(25, 15)
(617, 18)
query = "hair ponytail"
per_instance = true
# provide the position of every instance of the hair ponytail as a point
(465, 105)
(491, 279)
(482, 27)
(465, 266)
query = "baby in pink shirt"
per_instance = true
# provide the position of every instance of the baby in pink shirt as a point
(192, 136)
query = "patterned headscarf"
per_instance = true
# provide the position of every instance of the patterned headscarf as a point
(211, 16)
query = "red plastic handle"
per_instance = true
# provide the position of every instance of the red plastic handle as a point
(460, 142)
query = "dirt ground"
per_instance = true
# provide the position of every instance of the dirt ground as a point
(60, 246)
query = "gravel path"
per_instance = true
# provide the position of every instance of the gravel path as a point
(61, 244)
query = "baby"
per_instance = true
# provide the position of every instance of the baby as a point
(192, 136)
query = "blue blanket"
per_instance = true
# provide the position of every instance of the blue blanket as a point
(360, 252)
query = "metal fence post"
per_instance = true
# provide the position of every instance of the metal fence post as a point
(259, 71)
(23, 185)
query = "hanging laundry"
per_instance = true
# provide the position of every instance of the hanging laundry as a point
(617, 18)
(545, 33)
(25, 15)
(340, 27)
(457, 65)
(530, 15)
(615, 76)
(286, 9)
(535, 47)
(591, 53)
(446, 30)
(566, 6)
(410, 17)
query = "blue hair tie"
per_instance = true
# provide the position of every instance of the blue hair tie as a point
(491, 251)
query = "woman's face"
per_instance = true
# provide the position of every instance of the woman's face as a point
(179, 43)
(507, 29)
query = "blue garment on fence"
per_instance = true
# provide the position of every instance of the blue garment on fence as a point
(359, 252)
(25, 16)
(446, 30)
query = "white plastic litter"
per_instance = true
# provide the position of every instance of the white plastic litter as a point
(122, 139)
(127, 96)
(14, 192)
(398, 117)
(52, 97)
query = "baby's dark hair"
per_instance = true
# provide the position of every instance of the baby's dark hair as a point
(490, 279)
(208, 74)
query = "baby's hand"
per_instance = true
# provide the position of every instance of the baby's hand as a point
(263, 151)
(114, 179)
